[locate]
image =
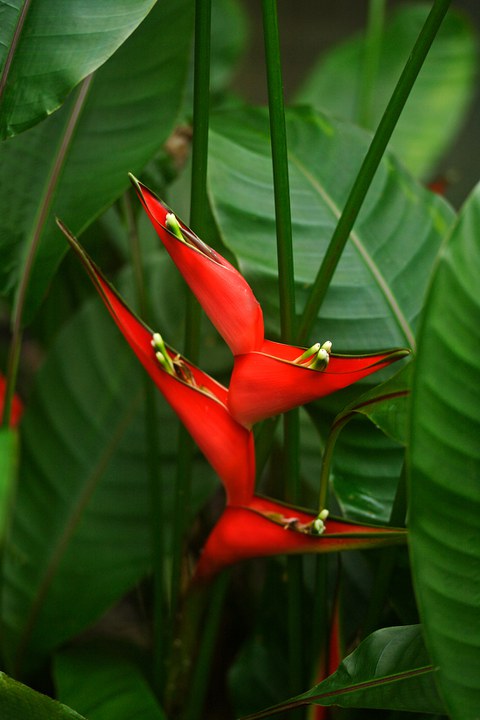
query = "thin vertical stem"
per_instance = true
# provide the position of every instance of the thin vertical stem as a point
(370, 164)
(286, 282)
(199, 686)
(198, 221)
(153, 466)
(371, 61)
(280, 170)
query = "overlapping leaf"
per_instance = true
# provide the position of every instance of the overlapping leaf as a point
(443, 89)
(75, 163)
(390, 670)
(445, 467)
(104, 683)
(8, 465)
(48, 46)
(80, 535)
(378, 288)
(19, 701)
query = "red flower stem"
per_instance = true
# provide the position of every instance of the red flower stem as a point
(160, 610)
(369, 166)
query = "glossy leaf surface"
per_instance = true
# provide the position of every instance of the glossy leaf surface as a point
(390, 670)
(48, 46)
(8, 466)
(378, 288)
(19, 701)
(75, 163)
(82, 509)
(443, 89)
(445, 467)
(104, 684)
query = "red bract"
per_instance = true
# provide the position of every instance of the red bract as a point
(265, 527)
(17, 406)
(268, 383)
(198, 400)
(223, 293)
(265, 381)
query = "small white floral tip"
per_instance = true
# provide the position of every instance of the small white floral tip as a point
(315, 357)
(173, 225)
(161, 353)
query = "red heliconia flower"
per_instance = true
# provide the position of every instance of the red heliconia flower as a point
(17, 405)
(269, 382)
(268, 378)
(250, 526)
(222, 292)
(264, 527)
(199, 401)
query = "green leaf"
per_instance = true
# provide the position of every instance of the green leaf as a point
(390, 670)
(75, 163)
(445, 467)
(8, 467)
(443, 90)
(19, 701)
(81, 532)
(48, 46)
(104, 684)
(366, 470)
(364, 465)
(377, 291)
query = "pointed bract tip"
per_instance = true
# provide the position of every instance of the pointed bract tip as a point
(133, 180)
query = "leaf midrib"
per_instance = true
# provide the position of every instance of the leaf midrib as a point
(372, 266)
(71, 523)
(13, 47)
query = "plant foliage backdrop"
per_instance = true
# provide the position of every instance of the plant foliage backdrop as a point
(269, 517)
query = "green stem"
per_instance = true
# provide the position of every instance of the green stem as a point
(327, 458)
(153, 466)
(370, 164)
(198, 221)
(387, 561)
(199, 686)
(280, 170)
(287, 312)
(371, 61)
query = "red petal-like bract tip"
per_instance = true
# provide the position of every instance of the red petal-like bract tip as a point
(17, 405)
(265, 528)
(228, 447)
(268, 383)
(223, 293)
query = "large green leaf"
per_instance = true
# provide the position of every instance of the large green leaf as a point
(75, 163)
(18, 701)
(443, 89)
(366, 465)
(445, 467)
(8, 466)
(377, 291)
(389, 670)
(48, 46)
(104, 684)
(81, 536)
